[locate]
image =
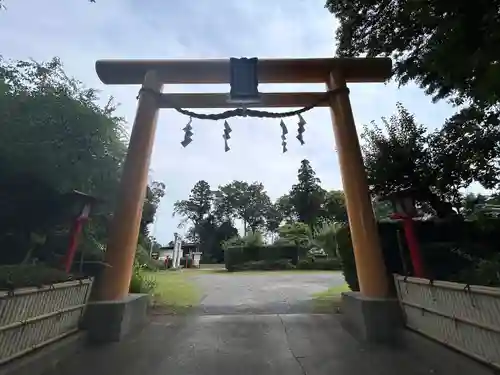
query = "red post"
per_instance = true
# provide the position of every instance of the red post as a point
(73, 243)
(411, 240)
(74, 236)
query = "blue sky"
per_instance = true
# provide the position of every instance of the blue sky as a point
(81, 33)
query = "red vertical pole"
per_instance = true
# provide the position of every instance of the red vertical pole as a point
(412, 242)
(73, 243)
(415, 254)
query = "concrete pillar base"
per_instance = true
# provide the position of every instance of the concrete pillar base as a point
(372, 320)
(110, 321)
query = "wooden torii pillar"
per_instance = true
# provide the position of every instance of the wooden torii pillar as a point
(152, 74)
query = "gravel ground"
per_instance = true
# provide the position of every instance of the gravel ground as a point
(263, 293)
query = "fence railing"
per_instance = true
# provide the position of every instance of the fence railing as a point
(463, 317)
(33, 317)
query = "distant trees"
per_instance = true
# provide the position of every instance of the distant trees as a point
(249, 204)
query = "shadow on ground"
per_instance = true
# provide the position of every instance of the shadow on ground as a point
(293, 344)
(298, 307)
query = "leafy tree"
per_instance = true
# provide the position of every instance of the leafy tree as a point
(298, 233)
(252, 239)
(56, 138)
(154, 193)
(212, 234)
(257, 204)
(334, 207)
(274, 217)
(225, 202)
(449, 48)
(470, 203)
(402, 155)
(397, 156)
(284, 205)
(382, 209)
(209, 227)
(55, 134)
(475, 143)
(247, 202)
(307, 196)
(54, 129)
(198, 206)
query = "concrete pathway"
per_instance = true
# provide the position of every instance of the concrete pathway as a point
(263, 293)
(244, 330)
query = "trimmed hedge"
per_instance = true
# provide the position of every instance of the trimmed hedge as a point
(320, 264)
(264, 265)
(449, 248)
(237, 255)
(22, 276)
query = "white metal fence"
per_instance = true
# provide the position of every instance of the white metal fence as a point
(466, 318)
(33, 317)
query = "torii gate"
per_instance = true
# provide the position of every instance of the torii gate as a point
(152, 74)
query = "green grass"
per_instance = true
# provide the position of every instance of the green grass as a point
(329, 300)
(175, 293)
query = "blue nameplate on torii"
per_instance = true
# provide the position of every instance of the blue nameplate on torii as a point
(244, 81)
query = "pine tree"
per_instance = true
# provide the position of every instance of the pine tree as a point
(307, 196)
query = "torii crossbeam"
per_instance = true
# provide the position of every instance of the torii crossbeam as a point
(153, 74)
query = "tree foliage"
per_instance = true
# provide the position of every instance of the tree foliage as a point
(154, 193)
(402, 155)
(334, 207)
(208, 226)
(449, 48)
(198, 206)
(247, 202)
(307, 196)
(56, 138)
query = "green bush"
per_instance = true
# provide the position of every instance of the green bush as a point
(484, 272)
(234, 256)
(325, 238)
(452, 250)
(207, 259)
(252, 239)
(144, 260)
(264, 265)
(326, 264)
(154, 265)
(139, 283)
(347, 258)
(21, 276)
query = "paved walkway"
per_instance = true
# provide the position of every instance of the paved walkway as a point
(268, 293)
(236, 335)
(294, 344)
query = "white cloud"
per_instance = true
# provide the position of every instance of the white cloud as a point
(81, 33)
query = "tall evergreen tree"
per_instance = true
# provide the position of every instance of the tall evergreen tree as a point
(307, 196)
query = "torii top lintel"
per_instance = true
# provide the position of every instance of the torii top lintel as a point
(214, 71)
